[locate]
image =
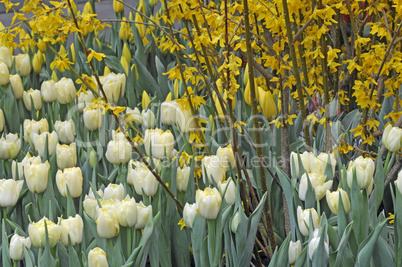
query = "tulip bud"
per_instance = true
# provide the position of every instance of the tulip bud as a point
(139, 25)
(169, 110)
(66, 156)
(398, 182)
(84, 99)
(145, 99)
(227, 157)
(318, 164)
(118, 151)
(141, 178)
(41, 46)
(143, 215)
(4, 74)
(17, 244)
(32, 96)
(9, 192)
(317, 182)
(113, 192)
(333, 200)
(72, 51)
(54, 77)
(392, 138)
(247, 93)
(39, 141)
(20, 166)
(65, 90)
(6, 57)
(37, 233)
(125, 32)
(267, 104)
(32, 126)
(97, 257)
(126, 211)
(2, 120)
(152, 3)
(134, 114)
(148, 119)
(117, 6)
(305, 159)
(183, 175)
(48, 91)
(189, 212)
(62, 50)
(107, 224)
(364, 172)
(208, 203)
(92, 118)
(65, 130)
(73, 227)
(71, 178)
(245, 75)
(158, 142)
(114, 86)
(124, 63)
(312, 246)
(126, 53)
(294, 252)
(16, 84)
(213, 167)
(10, 146)
(185, 119)
(87, 9)
(234, 224)
(22, 64)
(37, 62)
(230, 187)
(303, 219)
(91, 207)
(36, 176)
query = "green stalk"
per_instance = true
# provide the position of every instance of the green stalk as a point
(263, 181)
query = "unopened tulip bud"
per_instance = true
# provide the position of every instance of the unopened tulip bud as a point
(54, 77)
(189, 212)
(230, 187)
(118, 151)
(6, 57)
(126, 211)
(97, 258)
(17, 244)
(235, 222)
(4, 74)
(208, 203)
(148, 119)
(114, 86)
(398, 182)
(20, 166)
(227, 157)
(267, 104)
(107, 224)
(36, 176)
(364, 168)
(157, 142)
(48, 91)
(73, 227)
(65, 90)
(318, 182)
(169, 110)
(113, 192)
(87, 9)
(117, 6)
(145, 99)
(294, 252)
(10, 146)
(312, 246)
(125, 32)
(185, 119)
(23, 64)
(92, 118)
(37, 233)
(42, 46)
(2, 120)
(303, 219)
(141, 178)
(183, 175)
(126, 53)
(319, 164)
(139, 24)
(124, 63)
(71, 178)
(72, 51)
(37, 62)
(392, 138)
(39, 141)
(32, 96)
(143, 213)
(65, 130)
(305, 159)
(333, 200)
(9, 192)
(66, 156)
(16, 84)
(213, 167)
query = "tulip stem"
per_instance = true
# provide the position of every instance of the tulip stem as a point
(387, 162)
(129, 239)
(211, 240)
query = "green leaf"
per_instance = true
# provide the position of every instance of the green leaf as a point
(281, 256)
(6, 260)
(343, 244)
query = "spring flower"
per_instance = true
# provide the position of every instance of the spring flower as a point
(333, 200)
(392, 138)
(37, 233)
(148, 119)
(91, 204)
(318, 164)
(182, 177)
(189, 212)
(17, 244)
(230, 187)
(364, 172)
(125, 32)
(92, 118)
(2, 120)
(169, 110)
(234, 224)
(227, 156)
(36, 176)
(318, 182)
(32, 126)
(9, 192)
(71, 178)
(214, 169)
(39, 141)
(107, 224)
(312, 246)
(114, 86)
(267, 104)
(84, 99)
(143, 215)
(113, 192)
(73, 227)
(305, 159)
(65, 130)
(36, 99)
(87, 9)
(117, 6)
(134, 115)
(295, 249)
(16, 84)
(97, 258)
(303, 219)
(27, 160)
(126, 211)
(10, 146)
(208, 203)
(65, 90)
(185, 119)
(23, 64)
(6, 57)
(157, 142)
(126, 53)
(118, 151)
(398, 182)
(48, 91)
(4, 74)
(141, 178)
(66, 156)
(37, 62)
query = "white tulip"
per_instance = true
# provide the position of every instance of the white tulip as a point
(65, 130)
